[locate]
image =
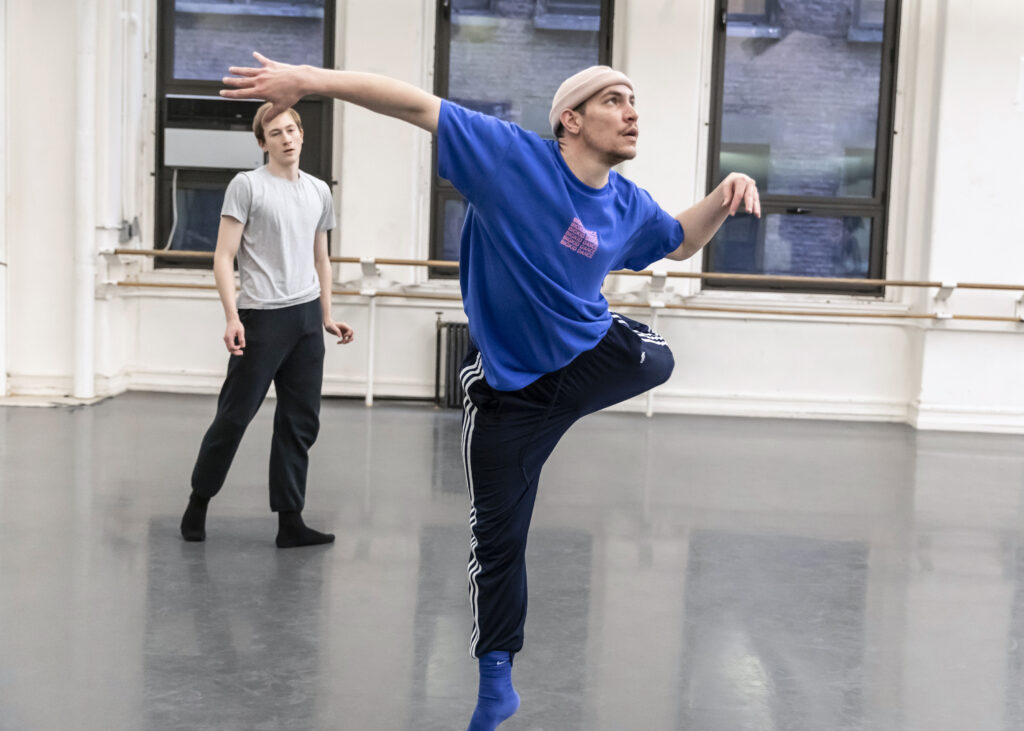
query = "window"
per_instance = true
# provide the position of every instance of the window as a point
(808, 114)
(204, 140)
(507, 58)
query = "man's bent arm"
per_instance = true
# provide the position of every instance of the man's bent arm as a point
(701, 221)
(284, 84)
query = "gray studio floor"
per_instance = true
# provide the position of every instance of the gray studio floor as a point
(696, 573)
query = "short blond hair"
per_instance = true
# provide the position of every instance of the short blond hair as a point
(261, 113)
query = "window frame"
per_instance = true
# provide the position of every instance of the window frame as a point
(167, 87)
(875, 208)
(441, 189)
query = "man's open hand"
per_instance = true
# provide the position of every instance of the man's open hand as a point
(275, 82)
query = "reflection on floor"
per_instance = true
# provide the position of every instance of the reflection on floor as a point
(685, 573)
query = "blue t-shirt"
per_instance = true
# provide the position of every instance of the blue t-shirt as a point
(538, 243)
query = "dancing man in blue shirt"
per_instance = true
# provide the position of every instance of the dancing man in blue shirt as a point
(547, 221)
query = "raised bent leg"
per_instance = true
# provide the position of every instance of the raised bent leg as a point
(506, 439)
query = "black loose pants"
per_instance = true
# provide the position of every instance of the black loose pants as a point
(286, 347)
(506, 438)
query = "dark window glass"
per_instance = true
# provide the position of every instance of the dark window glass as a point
(577, 7)
(748, 10)
(804, 245)
(452, 217)
(569, 15)
(472, 6)
(198, 219)
(753, 18)
(804, 100)
(203, 140)
(871, 13)
(748, 7)
(807, 113)
(211, 35)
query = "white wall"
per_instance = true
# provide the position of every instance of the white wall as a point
(40, 205)
(956, 157)
(977, 234)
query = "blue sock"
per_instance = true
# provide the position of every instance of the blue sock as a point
(496, 699)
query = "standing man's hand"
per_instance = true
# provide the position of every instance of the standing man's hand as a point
(276, 82)
(234, 336)
(739, 188)
(340, 330)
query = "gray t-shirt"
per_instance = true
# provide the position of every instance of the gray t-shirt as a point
(275, 260)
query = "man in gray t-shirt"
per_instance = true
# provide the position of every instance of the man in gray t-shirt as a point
(275, 219)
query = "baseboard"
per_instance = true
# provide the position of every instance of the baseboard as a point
(672, 401)
(56, 390)
(209, 382)
(202, 382)
(42, 387)
(938, 417)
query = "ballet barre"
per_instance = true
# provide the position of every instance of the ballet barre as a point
(943, 289)
(756, 278)
(370, 289)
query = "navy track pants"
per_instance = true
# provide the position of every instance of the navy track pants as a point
(506, 438)
(284, 346)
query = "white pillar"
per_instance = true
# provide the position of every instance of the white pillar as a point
(85, 227)
(3, 198)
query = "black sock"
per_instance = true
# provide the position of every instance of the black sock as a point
(193, 522)
(292, 532)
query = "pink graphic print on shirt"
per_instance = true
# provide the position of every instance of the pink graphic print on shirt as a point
(580, 239)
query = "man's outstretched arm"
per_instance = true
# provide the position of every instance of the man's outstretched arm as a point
(284, 84)
(701, 221)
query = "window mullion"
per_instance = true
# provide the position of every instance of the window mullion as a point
(782, 204)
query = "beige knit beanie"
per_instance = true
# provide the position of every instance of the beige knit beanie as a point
(579, 87)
